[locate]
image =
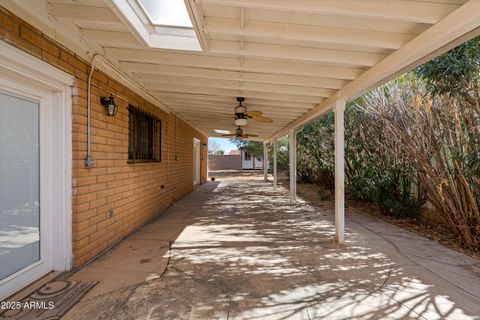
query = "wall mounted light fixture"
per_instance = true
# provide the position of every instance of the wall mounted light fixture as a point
(110, 106)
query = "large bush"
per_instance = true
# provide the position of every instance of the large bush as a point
(315, 152)
(373, 173)
(416, 138)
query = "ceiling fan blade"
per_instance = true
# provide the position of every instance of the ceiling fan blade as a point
(262, 119)
(229, 135)
(250, 136)
(253, 113)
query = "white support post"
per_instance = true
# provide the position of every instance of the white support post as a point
(274, 163)
(265, 161)
(339, 110)
(292, 144)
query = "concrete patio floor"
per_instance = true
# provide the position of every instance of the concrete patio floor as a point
(237, 249)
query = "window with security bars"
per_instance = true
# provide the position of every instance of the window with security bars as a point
(144, 136)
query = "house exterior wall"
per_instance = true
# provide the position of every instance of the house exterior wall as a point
(135, 192)
(224, 162)
(253, 163)
(258, 164)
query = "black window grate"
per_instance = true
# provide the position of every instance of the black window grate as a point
(144, 136)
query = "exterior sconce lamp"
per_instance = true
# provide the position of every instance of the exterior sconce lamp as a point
(110, 106)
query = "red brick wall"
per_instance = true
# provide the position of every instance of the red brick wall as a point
(135, 192)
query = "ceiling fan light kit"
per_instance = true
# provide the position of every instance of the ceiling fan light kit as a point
(241, 120)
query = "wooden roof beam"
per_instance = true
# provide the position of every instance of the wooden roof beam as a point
(294, 53)
(201, 74)
(308, 33)
(152, 83)
(397, 10)
(433, 42)
(142, 60)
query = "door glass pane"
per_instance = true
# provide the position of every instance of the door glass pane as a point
(19, 184)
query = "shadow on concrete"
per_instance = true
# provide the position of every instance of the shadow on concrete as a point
(240, 250)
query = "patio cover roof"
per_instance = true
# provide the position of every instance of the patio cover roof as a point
(290, 59)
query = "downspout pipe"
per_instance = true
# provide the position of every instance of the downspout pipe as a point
(89, 161)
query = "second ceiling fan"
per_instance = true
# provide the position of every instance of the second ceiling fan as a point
(239, 134)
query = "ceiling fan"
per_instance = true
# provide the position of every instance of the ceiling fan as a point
(239, 134)
(242, 115)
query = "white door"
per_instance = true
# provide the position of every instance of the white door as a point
(25, 216)
(196, 161)
(247, 160)
(35, 170)
(258, 163)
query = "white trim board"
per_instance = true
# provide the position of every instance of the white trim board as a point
(52, 86)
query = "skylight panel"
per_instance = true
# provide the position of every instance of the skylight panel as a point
(167, 12)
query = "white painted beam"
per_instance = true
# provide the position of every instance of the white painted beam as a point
(265, 161)
(253, 104)
(90, 3)
(197, 17)
(275, 174)
(339, 110)
(456, 25)
(78, 12)
(396, 10)
(173, 70)
(152, 82)
(295, 53)
(192, 111)
(305, 69)
(293, 80)
(153, 72)
(452, 27)
(169, 88)
(129, 18)
(325, 20)
(228, 119)
(132, 59)
(292, 148)
(307, 33)
(110, 38)
(281, 113)
(167, 57)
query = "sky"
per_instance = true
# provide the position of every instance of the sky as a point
(225, 144)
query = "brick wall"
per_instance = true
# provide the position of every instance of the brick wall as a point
(224, 162)
(135, 192)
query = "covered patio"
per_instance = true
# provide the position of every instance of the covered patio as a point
(290, 61)
(238, 249)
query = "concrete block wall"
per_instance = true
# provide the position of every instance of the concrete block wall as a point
(135, 192)
(224, 162)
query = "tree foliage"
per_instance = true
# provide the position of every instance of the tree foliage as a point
(215, 148)
(456, 73)
(414, 139)
(253, 147)
(315, 152)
